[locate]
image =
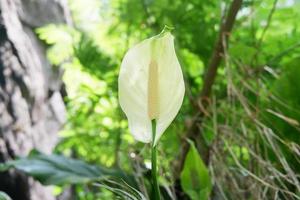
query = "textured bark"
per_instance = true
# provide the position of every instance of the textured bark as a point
(31, 105)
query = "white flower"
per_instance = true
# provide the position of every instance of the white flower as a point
(151, 86)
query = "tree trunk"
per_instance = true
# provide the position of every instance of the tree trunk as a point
(31, 106)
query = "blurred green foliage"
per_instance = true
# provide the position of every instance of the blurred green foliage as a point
(252, 125)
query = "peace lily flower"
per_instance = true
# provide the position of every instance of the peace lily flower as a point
(151, 86)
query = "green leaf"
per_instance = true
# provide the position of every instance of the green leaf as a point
(195, 179)
(58, 170)
(4, 167)
(4, 196)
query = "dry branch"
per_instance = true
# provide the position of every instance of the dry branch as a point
(194, 132)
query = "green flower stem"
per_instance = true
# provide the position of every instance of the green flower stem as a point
(156, 193)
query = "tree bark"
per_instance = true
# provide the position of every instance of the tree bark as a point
(31, 105)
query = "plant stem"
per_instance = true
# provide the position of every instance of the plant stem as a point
(155, 186)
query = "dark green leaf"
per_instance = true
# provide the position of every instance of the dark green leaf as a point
(57, 170)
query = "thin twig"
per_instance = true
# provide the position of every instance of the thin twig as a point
(260, 40)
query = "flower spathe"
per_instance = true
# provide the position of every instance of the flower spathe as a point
(151, 86)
